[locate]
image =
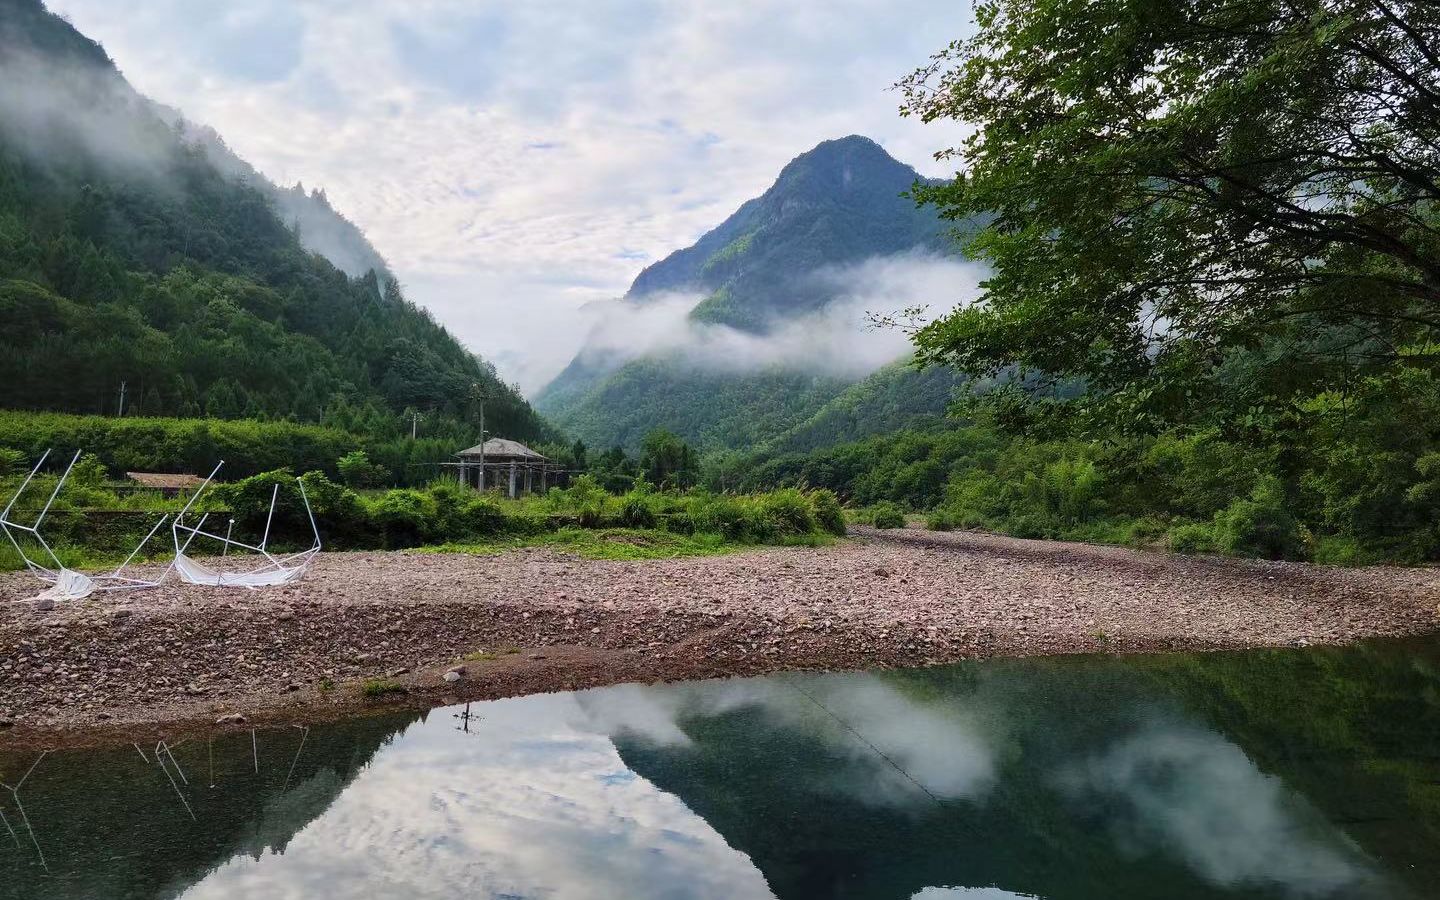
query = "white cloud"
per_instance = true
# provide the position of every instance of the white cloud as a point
(1194, 795)
(513, 161)
(528, 805)
(893, 746)
(836, 340)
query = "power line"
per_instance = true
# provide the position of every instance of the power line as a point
(864, 740)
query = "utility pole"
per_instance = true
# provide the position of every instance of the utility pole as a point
(121, 414)
(477, 393)
(414, 423)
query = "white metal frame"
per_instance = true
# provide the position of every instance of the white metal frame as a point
(61, 579)
(292, 565)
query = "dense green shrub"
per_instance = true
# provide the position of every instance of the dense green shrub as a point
(637, 510)
(1260, 525)
(405, 518)
(1337, 550)
(885, 515)
(940, 519)
(718, 514)
(1192, 537)
(357, 471)
(789, 512)
(11, 462)
(829, 515)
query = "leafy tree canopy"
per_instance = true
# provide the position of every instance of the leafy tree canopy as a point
(1199, 204)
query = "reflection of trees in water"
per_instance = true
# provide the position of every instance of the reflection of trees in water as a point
(1268, 774)
(1212, 775)
(146, 822)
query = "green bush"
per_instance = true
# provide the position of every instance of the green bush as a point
(1144, 531)
(940, 520)
(1260, 525)
(357, 471)
(11, 462)
(885, 515)
(828, 514)
(483, 517)
(789, 512)
(405, 518)
(586, 500)
(1339, 550)
(1192, 537)
(718, 514)
(636, 511)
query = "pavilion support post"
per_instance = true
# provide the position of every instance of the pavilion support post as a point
(512, 481)
(482, 477)
(529, 473)
(544, 479)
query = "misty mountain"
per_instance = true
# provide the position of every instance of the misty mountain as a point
(319, 226)
(838, 203)
(774, 330)
(136, 247)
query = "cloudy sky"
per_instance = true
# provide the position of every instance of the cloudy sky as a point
(515, 160)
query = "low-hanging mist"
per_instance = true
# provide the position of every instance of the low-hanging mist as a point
(834, 340)
(76, 112)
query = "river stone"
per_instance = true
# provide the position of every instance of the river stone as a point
(452, 676)
(231, 719)
(44, 603)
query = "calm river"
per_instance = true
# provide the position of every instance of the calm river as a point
(1296, 773)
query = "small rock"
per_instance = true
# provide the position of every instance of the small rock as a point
(120, 615)
(231, 719)
(452, 677)
(537, 656)
(44, 604)
(7, 722)
(882, 572)
(403, 670)
(102, 716)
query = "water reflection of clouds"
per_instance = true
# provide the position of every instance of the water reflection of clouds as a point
(528, 806)
(1192, 794)
(969, 893)
(537, 802)
(896, 741)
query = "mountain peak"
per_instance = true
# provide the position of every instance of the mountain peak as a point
(851, 149)
(844, 166)
(839, 202)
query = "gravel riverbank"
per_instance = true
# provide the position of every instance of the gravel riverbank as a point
(536, 620)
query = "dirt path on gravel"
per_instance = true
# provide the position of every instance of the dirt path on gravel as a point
(535, 620)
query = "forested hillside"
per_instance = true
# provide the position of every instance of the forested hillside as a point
(1233, 273)
(136, 249)
(837, 205)
(894, 397)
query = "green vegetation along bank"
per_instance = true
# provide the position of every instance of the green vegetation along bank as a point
(1361, 486)
(94, 522)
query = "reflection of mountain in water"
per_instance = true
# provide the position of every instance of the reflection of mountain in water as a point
(1253, 775)
(112, 824)
(1272, 774)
